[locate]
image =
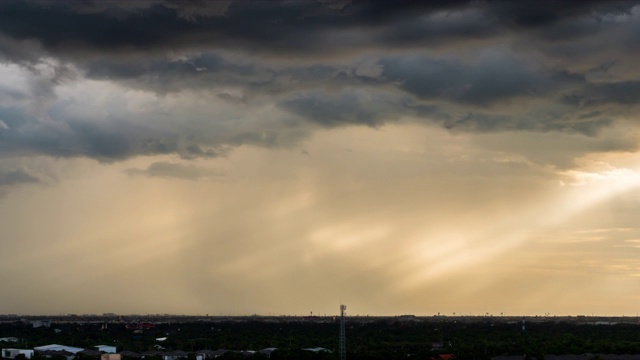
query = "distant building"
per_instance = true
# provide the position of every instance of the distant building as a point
(406, 318)
(267, 351)
(110, 357)
(41, 323)
(56, 353)
(574, 357)
(209, 354)
(106, 348)
(151, 353)
(172, 355)
(56, 347)
(12, 353)
(90, 353)
(130, 354)
(9, 339)
(444, 357)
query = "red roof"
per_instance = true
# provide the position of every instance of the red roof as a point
(445, 357)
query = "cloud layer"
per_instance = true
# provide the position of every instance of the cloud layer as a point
(479, 66)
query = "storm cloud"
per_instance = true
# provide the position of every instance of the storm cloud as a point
(118, 80)
(17, 176)
(486, 66)
(175, 170)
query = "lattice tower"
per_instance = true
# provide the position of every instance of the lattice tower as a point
(343, 341)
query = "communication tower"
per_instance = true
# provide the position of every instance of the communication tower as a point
(343, 342)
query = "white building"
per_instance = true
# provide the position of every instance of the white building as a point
(56, 347)
(10, 339)
(12, 353)
(106, 348)
(41, 323)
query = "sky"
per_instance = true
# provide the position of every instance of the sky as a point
(283, 157)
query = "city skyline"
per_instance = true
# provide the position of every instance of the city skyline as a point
(277, 157)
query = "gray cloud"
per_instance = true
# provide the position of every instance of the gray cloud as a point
(468, 66)
(13, 174)
(294, 27)
(532, 121)
(16, 177)
(176, 170)
(480, 83)
(371, 108)
(620, 93)
(114, 140)
(202, 71)
(343, 108)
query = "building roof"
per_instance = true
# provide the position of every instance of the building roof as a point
(176, 353)
(20, 350)
(207, 352)
(152, 353)
(214, 353)
(445, 357)
(55, 352)
(90, 352)
(127, 353)
(10, 339)
(57, 347)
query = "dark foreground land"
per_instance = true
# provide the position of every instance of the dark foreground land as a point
(367, 337)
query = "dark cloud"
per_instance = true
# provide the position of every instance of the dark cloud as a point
(620, 93)
(14, 174)
(175, 170)
(16, 177)
(297, 27)
(371, 108)
(64, 26)
(348, 107)
(114, 137)
(479, 83)
(115, 140)
(163, 75)
(483, 122)
(466, 65)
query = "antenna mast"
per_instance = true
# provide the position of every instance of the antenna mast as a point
(343, 342)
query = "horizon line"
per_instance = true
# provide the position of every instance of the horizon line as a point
(455, 315)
